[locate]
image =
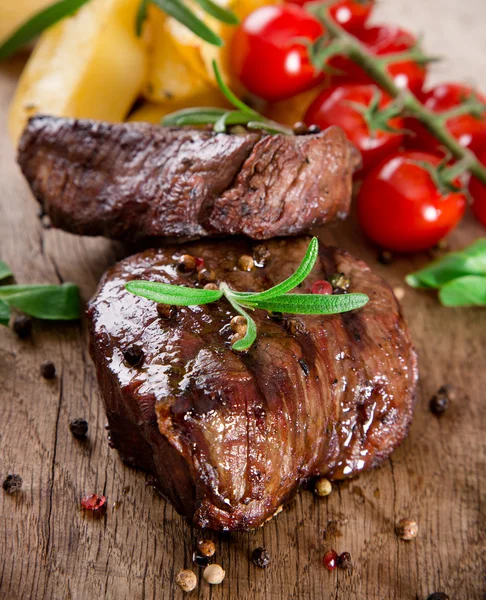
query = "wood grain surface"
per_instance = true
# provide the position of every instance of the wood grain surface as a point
(49, 550)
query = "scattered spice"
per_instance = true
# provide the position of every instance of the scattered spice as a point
(323, 487)
(206, 276)
(330, 560)
(166, 311)
(246, 262)
(134, 356)
(206, 548)
(22, 326)
(385, 257)
(211, 286)
(440, 401)
(79, 428)
(12, 483)
(94, 504)
(313, 129)
(238, 324)
(199, 560)
(214, 574)
(344, 561)
(407, 529)
(321, 287)
(261, 558)
(299, 128)
(438, 596)
(187, 263)
(199, 263)
(340, 281)
(48, 369)
(261, 254)
(186, 580)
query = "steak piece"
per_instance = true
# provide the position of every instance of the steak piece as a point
(231, 436)
(136, 180)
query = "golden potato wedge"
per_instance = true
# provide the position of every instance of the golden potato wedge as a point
(14, 13)
(89, 65)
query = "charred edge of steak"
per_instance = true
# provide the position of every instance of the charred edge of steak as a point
(136, 180)
(229, 436)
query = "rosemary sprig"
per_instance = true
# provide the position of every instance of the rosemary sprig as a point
(221, 118)
(276, 299)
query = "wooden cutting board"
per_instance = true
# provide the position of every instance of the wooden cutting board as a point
(50, 551)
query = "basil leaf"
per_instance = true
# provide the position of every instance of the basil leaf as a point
(4, 271)
(49, 302)
(470, 261)
(178, 295)
(38, 23)
(292, 282)
(464, 291)
(185, 16)
(251, 330)
(194, 116)
(219, 12)
(4, 313)
(313, 304)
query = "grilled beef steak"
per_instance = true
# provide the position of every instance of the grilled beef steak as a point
(230, 436)
(136, 180)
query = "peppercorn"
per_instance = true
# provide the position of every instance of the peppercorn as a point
(339, 280)
(236, 338)
(166, 311)
(206, 548)
(261, 254)
(22, 326)
(187, 263)
(199, 560)
(439, 403)
(438, 596)
(206, 276)
(246, 262)
(344, 561)
(321, 287)
(94, 504)
(214, 574)
(186, 580)
(313, 129)
(133, 356)
(238, 324)
(407, 529)
(385, 257)
(299, 128)
(261, 558)
(79, 428)
(330, 559)
(211, 286)
(12, 483)
(48, 369)
(323, 487)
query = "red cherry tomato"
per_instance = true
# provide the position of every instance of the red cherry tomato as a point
(470, 131)
(382, 40)
(350, 14)
(333, 107)
(265, 56)
(400, 207)
(477, 189)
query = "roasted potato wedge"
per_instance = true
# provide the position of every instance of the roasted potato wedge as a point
(89, 65)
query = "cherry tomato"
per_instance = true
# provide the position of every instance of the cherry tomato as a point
(470, 131)
(477, 189)
(382, 40)
(350, 14)
(401, 208)
(333, 107)
(265, 56)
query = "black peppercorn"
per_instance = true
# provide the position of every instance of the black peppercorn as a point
(438, 596)
(314, 129)
(79, 428)
(12, 483)
(385, 257)
(261, 558)
(133, 356)
(344, 561)
(201, 561)
(439, 403)
(48, 369)
(22, 326)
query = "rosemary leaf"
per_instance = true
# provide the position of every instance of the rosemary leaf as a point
(313, 304)
(177, 295)
(225, 15)
(194, 116)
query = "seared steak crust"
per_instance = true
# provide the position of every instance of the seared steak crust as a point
(136, 180)
(231, 436)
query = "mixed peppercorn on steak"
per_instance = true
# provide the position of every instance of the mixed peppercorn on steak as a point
(231, 436)
(136, 180)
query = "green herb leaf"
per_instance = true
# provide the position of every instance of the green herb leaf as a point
(292, 282)
(470, 261)
(141, 16)
(38, 23)
(49, 302)
(185, 16)
(313, 304)
(464, 291)
(194, 116)
(4, 313)
(225, 15)
(177, 295)
(228, 94)
(251, 330)
(4, 271)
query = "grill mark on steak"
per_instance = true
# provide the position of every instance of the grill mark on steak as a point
(135, 180)
(229, 436)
